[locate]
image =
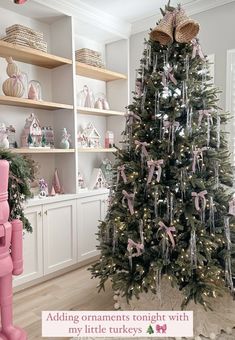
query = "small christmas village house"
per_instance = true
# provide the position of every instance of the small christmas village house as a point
(32, 133)
(97, 180)
(89, 137)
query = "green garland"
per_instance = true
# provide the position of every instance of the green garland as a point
(22, 172)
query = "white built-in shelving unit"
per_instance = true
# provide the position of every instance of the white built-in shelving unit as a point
(64, 229)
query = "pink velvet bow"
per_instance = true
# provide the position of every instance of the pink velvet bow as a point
(121, 170)
(200, 197)
(197, 50)
(130, 200)
(161, 329)
(143, 147)
(168, 230)
(152, 165)
(232, 207)
(138, 246)
(196, 153)
(203, 113)
(167, 74)
(131, 116)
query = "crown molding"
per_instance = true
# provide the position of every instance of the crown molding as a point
(86, 13)
(191, 6)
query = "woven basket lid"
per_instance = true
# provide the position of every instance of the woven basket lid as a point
(186, 28)
(163, 32)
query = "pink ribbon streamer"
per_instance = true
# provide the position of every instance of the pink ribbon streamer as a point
(138, 246)
(197, 50)
(168, 230)
(131, 116)
(17, 77)
(197, 152)
(143, 147)
(130, 200)
(152, 165)
(121, 170)
(167, 74)
(200, 197)
(232, 207)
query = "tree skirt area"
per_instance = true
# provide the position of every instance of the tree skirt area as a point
(218, 324)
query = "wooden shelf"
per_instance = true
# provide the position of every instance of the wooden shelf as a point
(97, 150)
(24, 102)
(97, 112)
(97, 73)
(31, 56)
(41, 151)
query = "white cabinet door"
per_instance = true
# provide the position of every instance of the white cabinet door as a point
(89, 211)
(32, 248)
(59, 235)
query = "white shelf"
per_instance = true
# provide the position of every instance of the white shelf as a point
(97, 112)
(97, 150)
(98, 73)
(40, 151)
(29, 103)
(31, 56)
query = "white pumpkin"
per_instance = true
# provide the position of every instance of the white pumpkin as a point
(12, 68)
(13, 87)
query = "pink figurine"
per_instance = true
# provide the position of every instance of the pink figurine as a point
(11, 263)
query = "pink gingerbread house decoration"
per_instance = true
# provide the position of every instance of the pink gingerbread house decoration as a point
(32, 127)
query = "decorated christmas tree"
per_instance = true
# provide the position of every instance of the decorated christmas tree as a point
(172, 210)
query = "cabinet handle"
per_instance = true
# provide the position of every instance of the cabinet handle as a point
(45, 212)
(40, 214)
(104, 201)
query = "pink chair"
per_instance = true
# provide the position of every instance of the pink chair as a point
(11, 261)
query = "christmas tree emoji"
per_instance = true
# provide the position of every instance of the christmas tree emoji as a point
(150, 330)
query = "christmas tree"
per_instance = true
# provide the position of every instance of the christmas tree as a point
(169, 212)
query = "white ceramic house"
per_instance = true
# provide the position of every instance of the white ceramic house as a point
(32, 127)
(97, 179)
(89, 137)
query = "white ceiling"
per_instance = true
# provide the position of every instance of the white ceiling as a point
(130, 10)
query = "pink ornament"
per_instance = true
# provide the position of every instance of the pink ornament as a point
(10, 262)
(52, 193)
(32, 94)
(56, 183)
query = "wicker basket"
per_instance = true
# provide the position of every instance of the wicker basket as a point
(25, 36)
(90, 57)
(24, 30)
(163, 32)
(186, 28)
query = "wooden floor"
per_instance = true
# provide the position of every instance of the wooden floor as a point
(73, 291)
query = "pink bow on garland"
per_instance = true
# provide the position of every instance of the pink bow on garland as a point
(138, 246)
(169, 125)
(143, 147)
(197, 152)
(232, 207)
(130, 200)
(200, 197)
(121, 170)
(131, 116)
(152, 165)
(167, 74)
(197, 50)
(168, 230)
